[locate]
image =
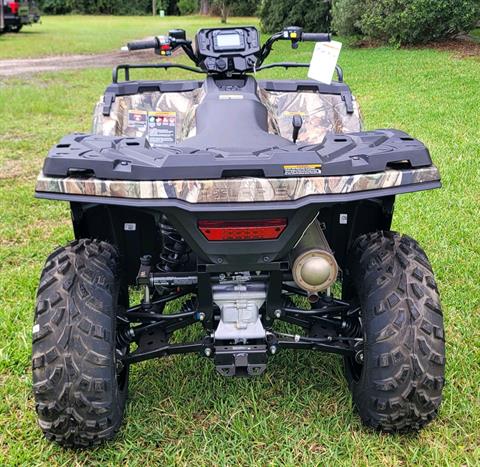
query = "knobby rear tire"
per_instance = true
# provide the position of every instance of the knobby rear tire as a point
(399, 385)
(80, 398)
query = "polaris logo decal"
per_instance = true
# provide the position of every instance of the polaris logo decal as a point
(223, 97)
(303, 169)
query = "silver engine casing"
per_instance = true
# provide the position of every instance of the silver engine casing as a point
(240, 305)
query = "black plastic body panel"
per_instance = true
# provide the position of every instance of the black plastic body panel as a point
(232, 139)
(142, 235)
(120, 158)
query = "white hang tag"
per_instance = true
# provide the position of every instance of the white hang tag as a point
(324, 60)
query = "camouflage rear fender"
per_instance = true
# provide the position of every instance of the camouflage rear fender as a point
(236, 190)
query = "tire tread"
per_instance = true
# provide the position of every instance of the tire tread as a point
(78, 401)
(404, 358)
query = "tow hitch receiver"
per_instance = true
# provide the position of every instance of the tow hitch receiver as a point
(240, 360)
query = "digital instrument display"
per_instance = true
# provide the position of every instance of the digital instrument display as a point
(228, 40)
(224, 50)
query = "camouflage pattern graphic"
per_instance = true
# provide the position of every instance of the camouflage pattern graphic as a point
(122, 122)
(235, 190)
(320, 113)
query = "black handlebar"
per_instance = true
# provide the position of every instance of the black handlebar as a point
(141, 45)
(164, 45)
(316, 37)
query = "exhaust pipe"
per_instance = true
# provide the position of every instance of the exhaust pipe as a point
(314, 267)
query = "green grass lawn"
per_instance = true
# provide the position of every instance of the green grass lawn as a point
(300, 411)
(67, 35)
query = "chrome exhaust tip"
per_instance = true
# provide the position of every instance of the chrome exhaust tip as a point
(315, 270)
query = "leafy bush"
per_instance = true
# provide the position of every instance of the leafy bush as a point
(57, 7)
(313, 16)
(414, 21)
(346, 15)
(244, 7)
(405, 21)
(188, 7)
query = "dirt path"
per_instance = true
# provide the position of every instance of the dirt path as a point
(26, 66)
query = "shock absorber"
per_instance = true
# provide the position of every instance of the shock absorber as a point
(351, 327)
(174, 248)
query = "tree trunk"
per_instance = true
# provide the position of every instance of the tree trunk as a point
(204, 7)
(154, 7)
(224, 11)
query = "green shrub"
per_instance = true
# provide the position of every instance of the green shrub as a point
(313, 16)
(244, 8)
(346, 15)
(405, 21)
(416, 21)
(57, 7)
(188, 7)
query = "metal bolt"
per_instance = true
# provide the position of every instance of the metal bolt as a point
(278, 313)
(266, 259)
(208, 352)
(219, 260)
(273, 349)
(201, 316)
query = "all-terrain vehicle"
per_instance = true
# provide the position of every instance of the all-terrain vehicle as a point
(238, 205)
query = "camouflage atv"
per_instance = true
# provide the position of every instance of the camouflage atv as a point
(239, 204)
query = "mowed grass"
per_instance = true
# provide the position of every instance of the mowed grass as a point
(300, 412)
(68, 35)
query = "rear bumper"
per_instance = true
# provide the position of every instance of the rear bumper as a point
(239, 190)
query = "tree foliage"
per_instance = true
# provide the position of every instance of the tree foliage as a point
(313, 16)
(144, 7)
(188, 7)
(106, 7)
(346, 16)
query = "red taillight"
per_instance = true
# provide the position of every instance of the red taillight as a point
(268, 229)
(14, 7)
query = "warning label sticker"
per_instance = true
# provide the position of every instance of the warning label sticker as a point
(162, 128)
(303, 169)
(137, 119)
